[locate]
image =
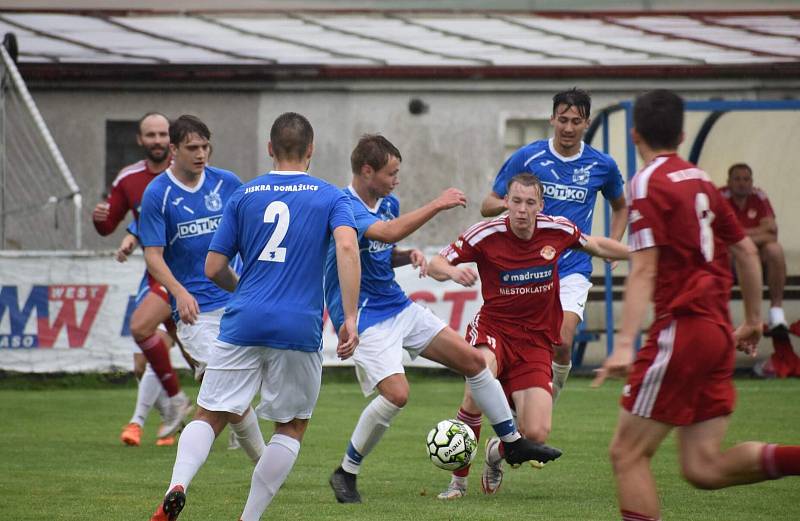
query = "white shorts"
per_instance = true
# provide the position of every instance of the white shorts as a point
(380, 349)
(288, 380)
(574, 292)
(198, 339)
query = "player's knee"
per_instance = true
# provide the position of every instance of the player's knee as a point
(537, 433)
(702, 476)
(397, 397)
(140, 329)
(772, 252)
(472, 362)
(621, 456)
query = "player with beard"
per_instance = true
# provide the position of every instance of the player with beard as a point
(152, 300)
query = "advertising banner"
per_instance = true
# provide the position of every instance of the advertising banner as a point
(69, 312)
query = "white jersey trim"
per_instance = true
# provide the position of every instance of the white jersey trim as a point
(478, 233)
(641, 240)
(651, 384)
(564, 225)
(642, 178)
(374, 209)
(139, 166)
(564, 158)
(287, 172)
(534, 156)
(191, 190)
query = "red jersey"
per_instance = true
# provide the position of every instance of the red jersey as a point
(675, 207)
(126, 194)
(756, 207)
(519, 278)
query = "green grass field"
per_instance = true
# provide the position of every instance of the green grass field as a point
(61, 460)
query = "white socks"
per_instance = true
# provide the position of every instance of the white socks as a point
(249, 435)
(373, 423)
(488, 394)
(270, 473)
(194, 445)
(777, 317)
(149, 391)
(560, 374)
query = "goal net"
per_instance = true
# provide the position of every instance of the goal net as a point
(40, 202)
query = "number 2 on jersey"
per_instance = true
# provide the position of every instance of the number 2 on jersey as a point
(273, 251)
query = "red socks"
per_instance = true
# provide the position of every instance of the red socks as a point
(474, 422)
(157, 353)
(778, 461)
(627, 515)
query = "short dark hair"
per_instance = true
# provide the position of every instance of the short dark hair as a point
(141, 120)
(574, 97)
(525, 179)
(373, 150)
(185, 125)
(291, 135)
(737, 166)
(658, 118)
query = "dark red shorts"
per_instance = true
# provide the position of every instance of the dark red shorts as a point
(683, 374)
(524, 358)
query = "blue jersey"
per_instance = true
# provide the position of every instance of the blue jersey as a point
(570, 188)
(182, 220)
(381, 296)
(281, 224)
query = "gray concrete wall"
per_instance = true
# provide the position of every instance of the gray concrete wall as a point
(77, 120)
(458, 142)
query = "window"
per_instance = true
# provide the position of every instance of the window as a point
(520, 132)
(121, 148)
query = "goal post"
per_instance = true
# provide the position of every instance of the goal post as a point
(40, 202)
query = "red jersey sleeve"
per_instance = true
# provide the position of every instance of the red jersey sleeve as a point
(461, 250)
(646, 222)
(766, 207)
(574, 237)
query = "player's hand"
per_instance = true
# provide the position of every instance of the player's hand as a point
(451, 198)
(188, 309)
(419, 261)
(464, 276)
(747, 336)
(613, 263)
(101, 212)
(618, 365)
(127, 246)
(348, 339)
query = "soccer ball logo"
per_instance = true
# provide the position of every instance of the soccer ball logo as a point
(451, 445)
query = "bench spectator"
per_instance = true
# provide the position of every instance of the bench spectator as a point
(756, 216)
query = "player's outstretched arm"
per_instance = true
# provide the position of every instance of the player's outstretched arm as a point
(398, 229)
(348, 267)
(126, 247)
(638, 293)
(748, 270)
(492, 205)
(188, 309)
(218, 271)
(440, 269)
(413, 256)
(605, 247)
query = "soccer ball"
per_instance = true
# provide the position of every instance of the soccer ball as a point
(451, 445)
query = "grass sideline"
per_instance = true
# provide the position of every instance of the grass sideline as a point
(63, 461)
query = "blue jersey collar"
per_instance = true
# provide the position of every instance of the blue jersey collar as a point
(192, 189)
(565, 159)
(287, 172)
(355, 194)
